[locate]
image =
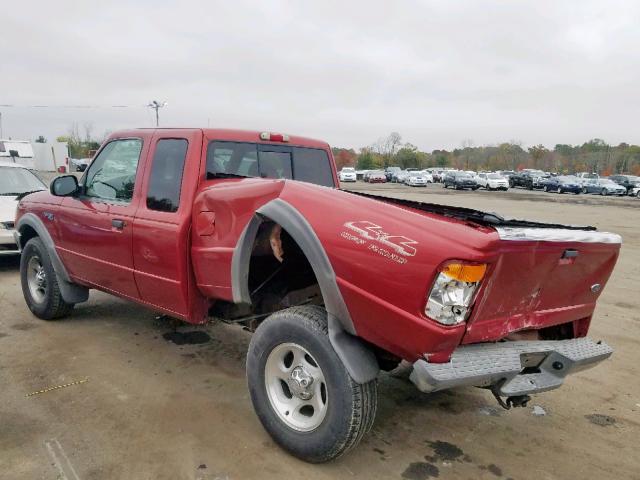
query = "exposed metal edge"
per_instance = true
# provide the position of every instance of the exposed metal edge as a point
(556, 235)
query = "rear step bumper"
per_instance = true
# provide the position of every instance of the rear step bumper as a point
(514, 368)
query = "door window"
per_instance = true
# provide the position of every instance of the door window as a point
(166, 175)
(112, 174)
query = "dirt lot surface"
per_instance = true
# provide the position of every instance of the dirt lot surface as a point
(153, 409)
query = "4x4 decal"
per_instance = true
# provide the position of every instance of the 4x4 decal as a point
(365, 229)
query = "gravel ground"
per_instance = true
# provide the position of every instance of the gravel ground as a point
(152, 409)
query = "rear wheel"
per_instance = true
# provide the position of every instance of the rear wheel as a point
(301, 391)
(584, 189)
(40, 286)
(603, 192)
(546, 188)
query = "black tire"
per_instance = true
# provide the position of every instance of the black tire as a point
(351, 407)
(560, 190)
(52, 306)
(584, 190)
(603, 192)
(444, 185)
(546, 188)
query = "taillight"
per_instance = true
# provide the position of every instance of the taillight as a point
(453, 291)
(274, 137)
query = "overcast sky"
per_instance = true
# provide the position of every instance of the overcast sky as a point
(347, 72)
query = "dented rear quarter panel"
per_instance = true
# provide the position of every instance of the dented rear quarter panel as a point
(384, 281)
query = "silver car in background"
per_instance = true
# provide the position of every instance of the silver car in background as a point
(16, 181)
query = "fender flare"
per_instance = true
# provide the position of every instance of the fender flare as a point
(71, 292)
(356, 356)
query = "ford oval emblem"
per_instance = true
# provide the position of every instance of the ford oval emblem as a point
(595, 288)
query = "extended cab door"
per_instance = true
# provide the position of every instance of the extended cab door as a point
(95, 227)
(162, 226)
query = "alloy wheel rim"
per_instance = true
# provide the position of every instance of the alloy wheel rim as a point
(296, 387)
(37, 279)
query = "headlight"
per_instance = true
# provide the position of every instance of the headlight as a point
(453, 292)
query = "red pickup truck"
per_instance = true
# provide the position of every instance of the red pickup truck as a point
(251, 228)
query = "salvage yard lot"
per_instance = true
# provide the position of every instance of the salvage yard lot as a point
(154, 409)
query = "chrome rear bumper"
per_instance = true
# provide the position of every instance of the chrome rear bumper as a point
(516, 368)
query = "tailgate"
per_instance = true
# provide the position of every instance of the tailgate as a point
(542, 277)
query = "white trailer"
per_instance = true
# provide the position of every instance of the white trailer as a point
(39, 156)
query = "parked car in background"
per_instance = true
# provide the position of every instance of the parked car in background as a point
(459, 181)
(389, 171)
(635, 192)
(427, 174)
(360, 174)
(347, 174)
(562, 184)
(16, 181)
(586, 176)
(627, 181)
(375, 176)
(79, 164)
(506, 173)
(492, 181)
(603, 186)
(400, 177)
(528, 179)
(416, 179)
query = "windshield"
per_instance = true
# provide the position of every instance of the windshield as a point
(606, 181)
(494, 176)
(463, 175)
(567, 178)
(348, 170)
(14, 181)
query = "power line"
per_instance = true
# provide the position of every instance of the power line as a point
(9, 105)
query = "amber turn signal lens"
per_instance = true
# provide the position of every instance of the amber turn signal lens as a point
(465, 273)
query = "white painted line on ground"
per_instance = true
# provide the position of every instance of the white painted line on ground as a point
(61, 460)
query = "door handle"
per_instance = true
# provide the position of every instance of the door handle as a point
(117, 223)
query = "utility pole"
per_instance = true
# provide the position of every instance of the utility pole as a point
(157, 106)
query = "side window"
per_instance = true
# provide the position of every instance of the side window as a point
(275, 165)
(166, 175)
(232, 158)
(313, 166)
(112, 174)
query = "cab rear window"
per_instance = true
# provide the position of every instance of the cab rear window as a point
(310, 165)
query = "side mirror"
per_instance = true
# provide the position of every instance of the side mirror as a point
(64, 186)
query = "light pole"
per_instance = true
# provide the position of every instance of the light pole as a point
(157, 106)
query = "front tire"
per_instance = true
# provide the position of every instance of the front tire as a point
(300, 389)
(39, 281)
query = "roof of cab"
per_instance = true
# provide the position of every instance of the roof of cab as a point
(224, 134)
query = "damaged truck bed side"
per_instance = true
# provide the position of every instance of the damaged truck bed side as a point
(248, 228)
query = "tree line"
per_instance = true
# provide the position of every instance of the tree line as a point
(595, 155)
